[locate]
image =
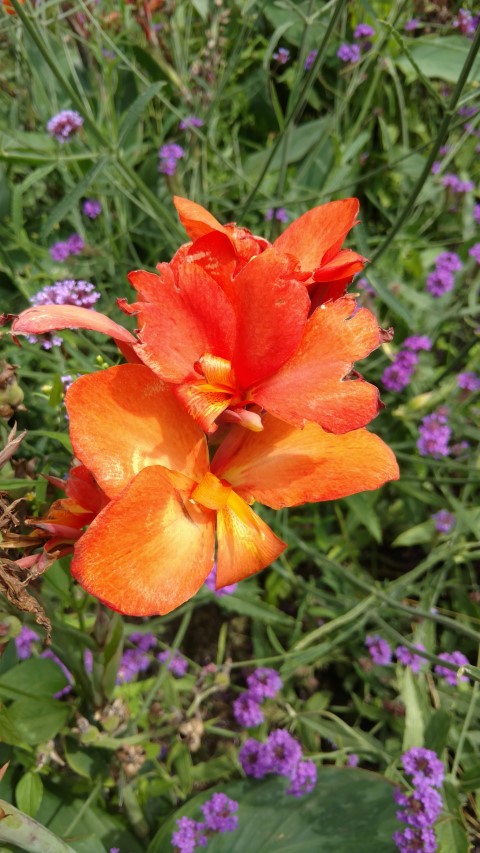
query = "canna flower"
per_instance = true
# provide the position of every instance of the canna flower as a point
(150, 543)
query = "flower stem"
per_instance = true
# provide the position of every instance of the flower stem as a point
(26, 833)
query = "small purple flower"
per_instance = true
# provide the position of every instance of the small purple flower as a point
(189, 835)
(349, 52)
(476, 213)
(88, 660)
(439, 282)
(169, 154)
(67, 292)
(450, 676)
(144, 642)
(132, 662)
(253, 758)
(59, 251)
(279, 213)
(247, 711)
(178, 665)
(444, 521)
(397, 375)
(474, 252)
(465, 22)
(211, 583)
(434, 435)
(310, 59)
(449, 261)
(363, 31)
(364, 284)
(24, 642)
(423, 766)
(219, 813)
(456, 184)
(303, 779)
(411, 25)
(282, 752)
(264, 683)
(186, 124)
(75, 244)
(379, 649)
(421, 808)
(409, 658)
(468, 381)
(282, 55)
(415, 840)
(64, 125)
(91, 208)
(68, 675)
(352, 760)
(415, 343)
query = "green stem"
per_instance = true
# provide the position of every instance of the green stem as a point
(27, 834)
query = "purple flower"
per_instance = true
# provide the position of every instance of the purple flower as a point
(439, 282)
(65, 125)
(264, 683)
(465, 22)
(444, 521)
(349, 52)
(310, 59)
(303, 779)
(279, 213)
(88, 660)
(68, 675)
(352, 760)
(59, 251)
(253, 758)
(454, 183)
(449, 261)
(67, 292)
(186, 124)
(169, 154)
(379, 649)
(132, 662)
(468, 381)
(91, 208)
(24, 642)
(476, 213)
(411, 25)
(409, 658)
(75, 244)
(415, 840)
(415, 343)
(434, 435)
(282, 56)
(474, 252)
(421, 808)
(219, 813)
(282, 752)
(423, 766)
(211, 583)
(397, 375)
(450, 676)
(144, 642)
(364, 284)
(247, 711)
(177, 666)
(363, 31)
(189, 835)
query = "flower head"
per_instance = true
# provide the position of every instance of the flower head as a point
(144, 642)
(186, 124)
(450, 676)
(177, 664)
(444, 521)
(397, 375)
(349, 52)
(282, 55)
(468, 381)
(133, 662)
(302, 779)
(411, 25)
(379, 649)
(418, 342)
(24, 641)
(253, 759)
(474, 252)
(311, 57)
(415, 840)
(264, 683)
(423, 766)
(363, 31)
(169, 154)
(211, 583)
(59, 251)
(421, 808)
(189, 835)
(282, 752)
(434, 435)
(408, 658)
(65, 125)
(219, 813)
(91, 208)
(247, 711)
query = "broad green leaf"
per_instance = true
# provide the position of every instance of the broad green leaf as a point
(411, 696)
(349, 810)
(450, 829)
(28, 793)
(439, 58)
(33, 678)
(416, 535)
(301, 140)
(38, 720)
(61, 437)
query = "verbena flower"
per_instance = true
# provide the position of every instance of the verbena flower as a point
(444, 521)
(144, 642)
(91, 208)
(311, 57)
(468, 381)
(412, 840)
(379, 649)
(282, 55)
(423, 766)
(64, 125)
(253, 758)
(418, 342)
(178, 665)
(409, 658)
(59, 251)
(352, 760)
(133, 662)
(456, 184)
(434, 435)
(421, 808)
(75, 244)
(302, 779)
(349, 52)
(397, 375)
(169, 155)
(24, 642)
(465, 22)
(411, 25)
(474, 252)
(211, 583)
(363, 31)
(264, 683)
(247, 711)
(450, 676)
(67, 292)
(282, 752)
(439, 282)
(279, 213)
(186, 124)
(219, 813)
(449, 261)
(189, 835)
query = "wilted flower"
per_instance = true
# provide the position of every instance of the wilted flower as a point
(444, 521)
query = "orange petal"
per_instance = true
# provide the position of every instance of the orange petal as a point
(245, 544)
(318, 231)
(284, 466)
(124, 419)
(312, 385)
(271, 310)
(344, 265)
(195, 219)
(149, 550)
(203, 403)
(51, 318)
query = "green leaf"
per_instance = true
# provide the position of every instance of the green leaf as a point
(29, 793)
(436, 732)
(417, 535)
(451, 832)
(33, 678)
(411, 696)
(238, 603)
(72, 198)
(135, 112)
(300, 141)
(61, 437)
(439, 58)
(38, 720)
(349, 810)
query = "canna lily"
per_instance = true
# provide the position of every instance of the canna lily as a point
(151, 547)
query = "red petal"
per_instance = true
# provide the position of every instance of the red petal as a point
(284, 466)
(271, 311)
(311, 386)
(195, 219)
(185, 315)
(149, 550)
(344, 265)
(124, 419)
(245, 543)
(318, 231)
(51, 318)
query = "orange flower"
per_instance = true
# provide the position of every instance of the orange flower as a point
(8, 8)
(152, 546)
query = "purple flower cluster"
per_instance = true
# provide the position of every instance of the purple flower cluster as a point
(133, 662)
(450, 676)
(434, 435)
(452, 182)
(24, 642)
(219, 816)
(91, 208)
(397, 375)
(411, 25)
(465, 22)
(442, 279)
(62, 250)
(282, 55)
(66, 292)
(310, 59)
(186, 124)
(474, 252)
(422, 807)
(263, 683)
(349, 52)
(278, 213)
(64, 125)
(281, 754)
(169, 155)
(379, 650)
(418, 342)
(211, 583)
(409, 658)
(444, 521)
(177, 665)
(468, 381)
(363, 31)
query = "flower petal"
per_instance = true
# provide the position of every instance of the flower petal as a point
(271, 309)
(284, 466)
(312, 385)
(195, 219)
(51, 318)
(344, 265)
(124, 419)
(149, 550)
(318, 231)
(245, 544)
